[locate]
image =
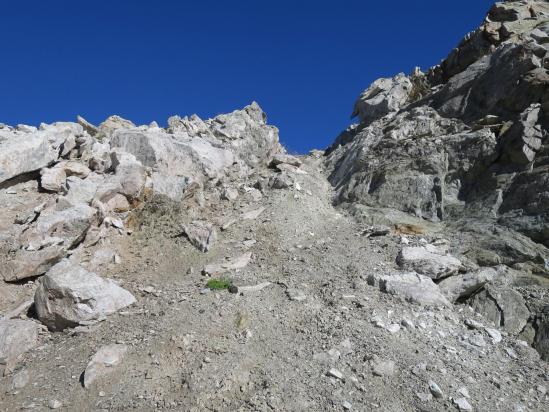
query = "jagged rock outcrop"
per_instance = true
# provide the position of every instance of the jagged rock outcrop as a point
(469, 141)
(463, 148)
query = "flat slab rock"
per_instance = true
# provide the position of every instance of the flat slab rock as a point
(410, 286)
(68, 294)
(103, 362)
(429, 261)
(234, 263)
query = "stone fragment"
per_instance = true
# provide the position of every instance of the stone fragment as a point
(382, 367)
(284, 158)
(435, 389)
(20, 379)
(103, 362)
(53, 179)
(16, 337)
(334, 373)
(252, 214)
(54, 404)
(463, 404)
(296, 295)
(502, 305)
(462, 286)
(235, 263)
(494, 334)
(202, 235)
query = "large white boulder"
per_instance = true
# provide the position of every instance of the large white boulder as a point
(68, 294)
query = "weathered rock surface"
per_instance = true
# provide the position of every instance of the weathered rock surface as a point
(104, 362)
(68, 295)
(429, 261)
(201, 234)
(16, 337)
(411, 287)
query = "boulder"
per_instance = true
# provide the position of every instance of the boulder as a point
(503, 306)
(384, 96)
(25, 152)
(429, 261)
(284, 158)
(68, 295)
(464, 285)
(411, 287)
(53, 179)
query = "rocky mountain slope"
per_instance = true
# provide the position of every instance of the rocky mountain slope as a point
(200, 267)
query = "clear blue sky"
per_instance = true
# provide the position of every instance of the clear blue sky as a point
(304, 62)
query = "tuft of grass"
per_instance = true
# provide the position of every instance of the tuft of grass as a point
(218, 284)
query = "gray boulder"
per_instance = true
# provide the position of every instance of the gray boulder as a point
(503, 306)
(68, 295)
(411, 287)
(429, 261)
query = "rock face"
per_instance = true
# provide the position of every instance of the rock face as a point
(462, 150)
(69, 295)
(463, 139)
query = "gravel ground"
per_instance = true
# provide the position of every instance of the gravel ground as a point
(316, 338)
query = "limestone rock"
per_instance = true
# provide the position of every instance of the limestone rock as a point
(53, 179)
(104, 362)
(235, 263)
(68, 295)
(202, 235)
(429, 261)
(384, 96)
(16, 337)
(411, 287)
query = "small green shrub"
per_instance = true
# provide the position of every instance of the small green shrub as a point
(218, 284)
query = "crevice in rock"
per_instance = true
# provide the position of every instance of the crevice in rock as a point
(22, 178)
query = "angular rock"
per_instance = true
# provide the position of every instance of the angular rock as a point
(53, 179)
(68, 295)
(103, 362)
(16, 337)
(234, 263)
(202, 235)
(503, 306)
(429, 261)
(382, 367)
(384, 96)
(464, 285)
(411, 287)
(284, 158)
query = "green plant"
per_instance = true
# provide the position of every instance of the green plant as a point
(218, 284)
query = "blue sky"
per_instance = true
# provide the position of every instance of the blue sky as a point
(304, 62)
